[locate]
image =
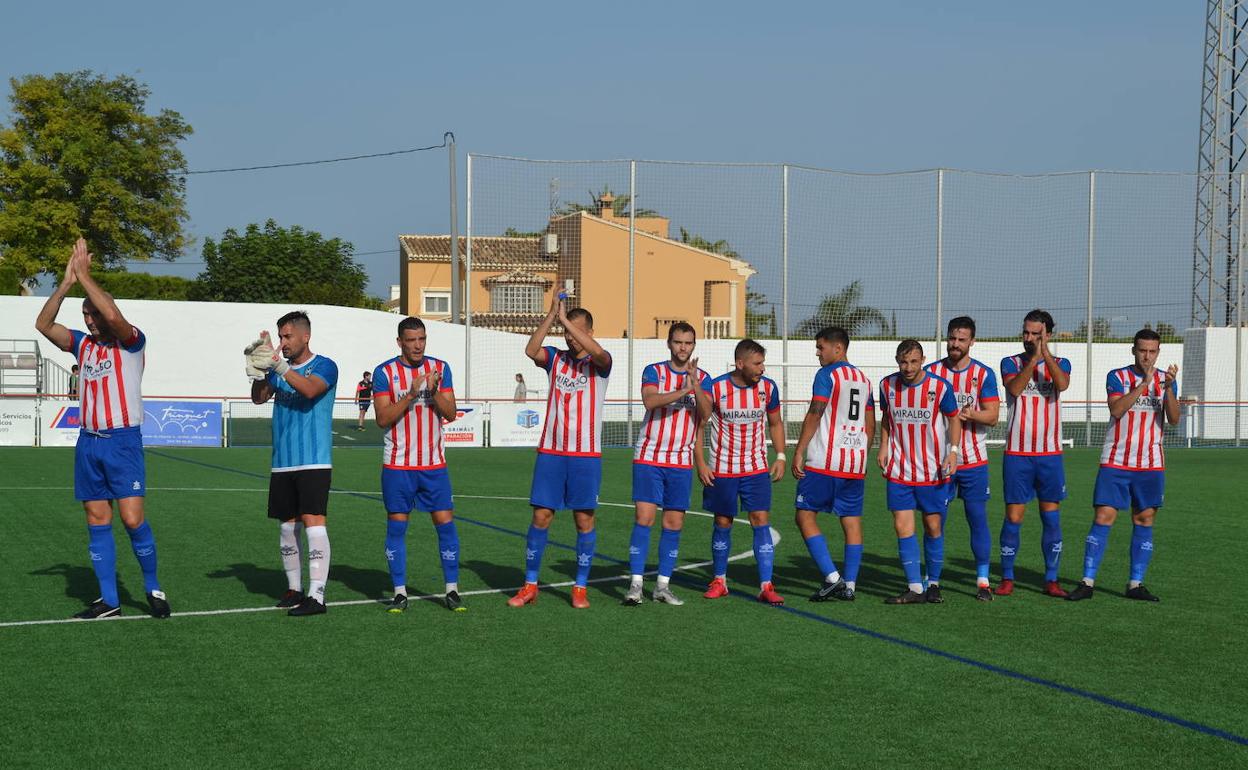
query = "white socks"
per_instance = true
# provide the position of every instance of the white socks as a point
(663, 581)
(318, 562)
(289, 542)
(832, 577)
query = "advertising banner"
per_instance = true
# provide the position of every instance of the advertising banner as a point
(516, 424)
(182, 423)
(60, 424)
(18, 421)
(467, 429)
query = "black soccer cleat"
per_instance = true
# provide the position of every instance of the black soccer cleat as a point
(159, 604)
(983, 594)
(1082, 591)
(98, 610)
(1140, 593)
(831, 591)
(453, 602)
(907, 597)
(933, 595)
(309, 606)
(397, 604)
(291, 598)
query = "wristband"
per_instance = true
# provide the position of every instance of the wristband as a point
(955, 450)
(781, 456)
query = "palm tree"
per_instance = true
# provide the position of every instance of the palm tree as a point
(619, 206)
(844, 309)
(721, 246)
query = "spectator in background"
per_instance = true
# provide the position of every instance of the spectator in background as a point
(522, 390)
(364, 397)
(73, 381)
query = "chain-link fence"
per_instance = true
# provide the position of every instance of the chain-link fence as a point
(776, 252)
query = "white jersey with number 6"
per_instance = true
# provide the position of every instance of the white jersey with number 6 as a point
(839, 446)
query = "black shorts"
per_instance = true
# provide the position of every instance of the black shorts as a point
(364, 406)
(293, 493)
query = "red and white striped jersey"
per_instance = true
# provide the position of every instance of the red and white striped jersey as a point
(415, 441)
(1034, 424)
(918, 419)
(110, 390)
(667, 433)
(839, 446)
(1133, 441)
(578, 391)
(738, 425)
(973, 385)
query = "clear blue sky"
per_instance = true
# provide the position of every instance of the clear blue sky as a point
(1019, 87)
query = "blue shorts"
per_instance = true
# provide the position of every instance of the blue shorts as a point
(566, 482)
(1030, 477)
(972, 483)
(109, 465)
(403, 491)
(1137, 490)
(929, 498)
(668, 488)
(822, 493)
(753, 492)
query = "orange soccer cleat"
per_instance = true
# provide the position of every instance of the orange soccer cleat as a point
(768, 595)
(716, 589)
(580, 597)
(526, 595)
(1051, 588)
(1004, 588)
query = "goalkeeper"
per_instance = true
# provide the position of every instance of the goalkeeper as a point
(302, 384)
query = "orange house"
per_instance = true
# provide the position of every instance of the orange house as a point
(586, 254)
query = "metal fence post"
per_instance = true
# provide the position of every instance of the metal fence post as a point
(632, 266)
(784, 281)
(1239, 319)
(456, 287)
(1087, 363)
(940, 253)
(468, 285)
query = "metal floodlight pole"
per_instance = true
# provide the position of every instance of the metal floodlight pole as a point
(468, 284)
(1239, 319)
(632, 280)
(784, 279)
(940, 252)
(456, 288)
(1087, 359)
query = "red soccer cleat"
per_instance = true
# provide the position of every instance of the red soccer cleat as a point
(1005, 588)
(527, 595)
(716, 589)
(769, 596)
(580, 597)
(1051, 588)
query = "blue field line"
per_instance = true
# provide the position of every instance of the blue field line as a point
(1104, 700)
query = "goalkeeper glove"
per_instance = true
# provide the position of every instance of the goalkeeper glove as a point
(254, 372)
(266, 358)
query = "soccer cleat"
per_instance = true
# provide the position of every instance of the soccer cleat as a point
(664, 595)
(983, 594)
(1141, 593)
(633, 597)
(98, 610)
(159, 604)
(526, 595)
(1005, 587)
(397, 604)
(291, 598)
(768, 595)
(933, 594)
(1051, 588)
(717, 588)
(908, 597)
(453, 602)
(829, 591)
(580, 597)
(309, 606)
(1082, 591)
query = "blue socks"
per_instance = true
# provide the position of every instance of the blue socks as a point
(1009, 547)
(1051, 542)
(934, 556)
(764, 552)
(721, 541)
(818, 548)
(585, 542)
(448, 550)
(853, 561)
(144, 544)
(1141, 551)
(1094, 549)
(669, 550)
(908, 551)
(103, 553)
(534, 547)
(396, 551)
(638, 548)
(981, 536)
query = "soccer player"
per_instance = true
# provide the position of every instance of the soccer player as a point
(108, 458)
(568, 470)
(1034, 381)
(414, 395)
(919, 447)
(975, 388)
(1133, 462)
(302, 385)
(674, 393)
(837, 431)
(364, 397)
(745, 407)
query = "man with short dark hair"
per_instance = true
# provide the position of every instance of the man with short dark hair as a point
(303, 412)
(73, 381)
(1141, 400)
(415, 396)
(364, 397)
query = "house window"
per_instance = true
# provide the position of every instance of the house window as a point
(515, 298)
(436, 303)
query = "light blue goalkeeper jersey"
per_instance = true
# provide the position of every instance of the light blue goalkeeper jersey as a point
(303, 435)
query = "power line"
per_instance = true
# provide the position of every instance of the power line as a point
(180, 262)
(322, 162)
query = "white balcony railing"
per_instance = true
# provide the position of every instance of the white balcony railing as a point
(717, 327)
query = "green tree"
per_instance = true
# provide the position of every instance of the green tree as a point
(844, 309)
(125, 285)
(619, 206)
(1102, 328)
(82, 157)
(276, 264)
(10, 282)
(721, 246)
(760, 315)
